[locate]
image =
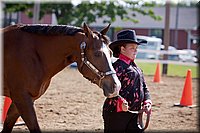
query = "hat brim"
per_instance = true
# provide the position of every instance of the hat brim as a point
(117, 43)
(114, 46)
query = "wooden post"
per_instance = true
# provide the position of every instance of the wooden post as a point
(166, 35)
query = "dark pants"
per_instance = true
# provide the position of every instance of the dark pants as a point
(121, 122)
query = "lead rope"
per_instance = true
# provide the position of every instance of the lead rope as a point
(140, 118)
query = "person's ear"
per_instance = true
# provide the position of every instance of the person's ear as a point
(122, 49)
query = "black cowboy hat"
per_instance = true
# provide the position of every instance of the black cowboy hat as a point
(123, 37)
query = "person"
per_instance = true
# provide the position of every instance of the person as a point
(133, 93)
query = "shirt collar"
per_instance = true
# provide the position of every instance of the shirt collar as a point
(126, 59)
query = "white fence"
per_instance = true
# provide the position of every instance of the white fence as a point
(162, 52)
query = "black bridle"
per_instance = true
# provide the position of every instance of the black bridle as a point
(85, 61)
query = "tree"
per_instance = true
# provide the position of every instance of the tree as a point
(68, 13)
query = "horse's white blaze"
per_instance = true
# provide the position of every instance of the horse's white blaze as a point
(118, 84)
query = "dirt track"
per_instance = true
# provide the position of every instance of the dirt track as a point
(73, 103)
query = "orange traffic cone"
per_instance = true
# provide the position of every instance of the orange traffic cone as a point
(7, 103)
(186, 99)
(6, 106)
(157, 74)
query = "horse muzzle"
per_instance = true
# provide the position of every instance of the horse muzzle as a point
(111, 89)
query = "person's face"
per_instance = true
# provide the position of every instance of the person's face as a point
(129, 50)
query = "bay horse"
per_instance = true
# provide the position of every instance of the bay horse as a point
(33, 54)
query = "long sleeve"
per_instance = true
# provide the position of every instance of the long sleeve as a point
(146, 92)
(133, 87)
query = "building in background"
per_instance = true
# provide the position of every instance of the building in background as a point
(183, 30)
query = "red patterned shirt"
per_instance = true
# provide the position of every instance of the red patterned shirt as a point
(133, 87)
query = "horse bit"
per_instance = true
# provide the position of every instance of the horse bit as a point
(84, 60)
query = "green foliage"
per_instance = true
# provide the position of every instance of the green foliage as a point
(10, 7)
(87, 11)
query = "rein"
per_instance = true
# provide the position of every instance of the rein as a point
(85, 61)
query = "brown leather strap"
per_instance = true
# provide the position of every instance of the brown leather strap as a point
(140, 120)
(140, 116)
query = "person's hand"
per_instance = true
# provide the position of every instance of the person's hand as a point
(125, 105)
(122, 105)
(147, 106)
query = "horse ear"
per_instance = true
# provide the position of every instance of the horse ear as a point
(87, 30)
(105, 30)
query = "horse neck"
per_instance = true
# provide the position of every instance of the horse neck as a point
(58, 53)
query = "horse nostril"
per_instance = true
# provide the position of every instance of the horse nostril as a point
(111, 85)
(107, 88)
(111, 90)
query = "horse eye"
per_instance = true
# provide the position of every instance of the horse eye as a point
(98, 54)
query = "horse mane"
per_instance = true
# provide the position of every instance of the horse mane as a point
(46, 29)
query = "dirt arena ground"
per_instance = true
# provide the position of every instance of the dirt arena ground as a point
(72, 103)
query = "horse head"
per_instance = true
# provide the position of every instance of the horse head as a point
(95, 61)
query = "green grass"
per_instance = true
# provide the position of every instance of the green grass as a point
(173, 70)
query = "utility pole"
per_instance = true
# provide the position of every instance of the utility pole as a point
(176, 26)
(166, 35)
